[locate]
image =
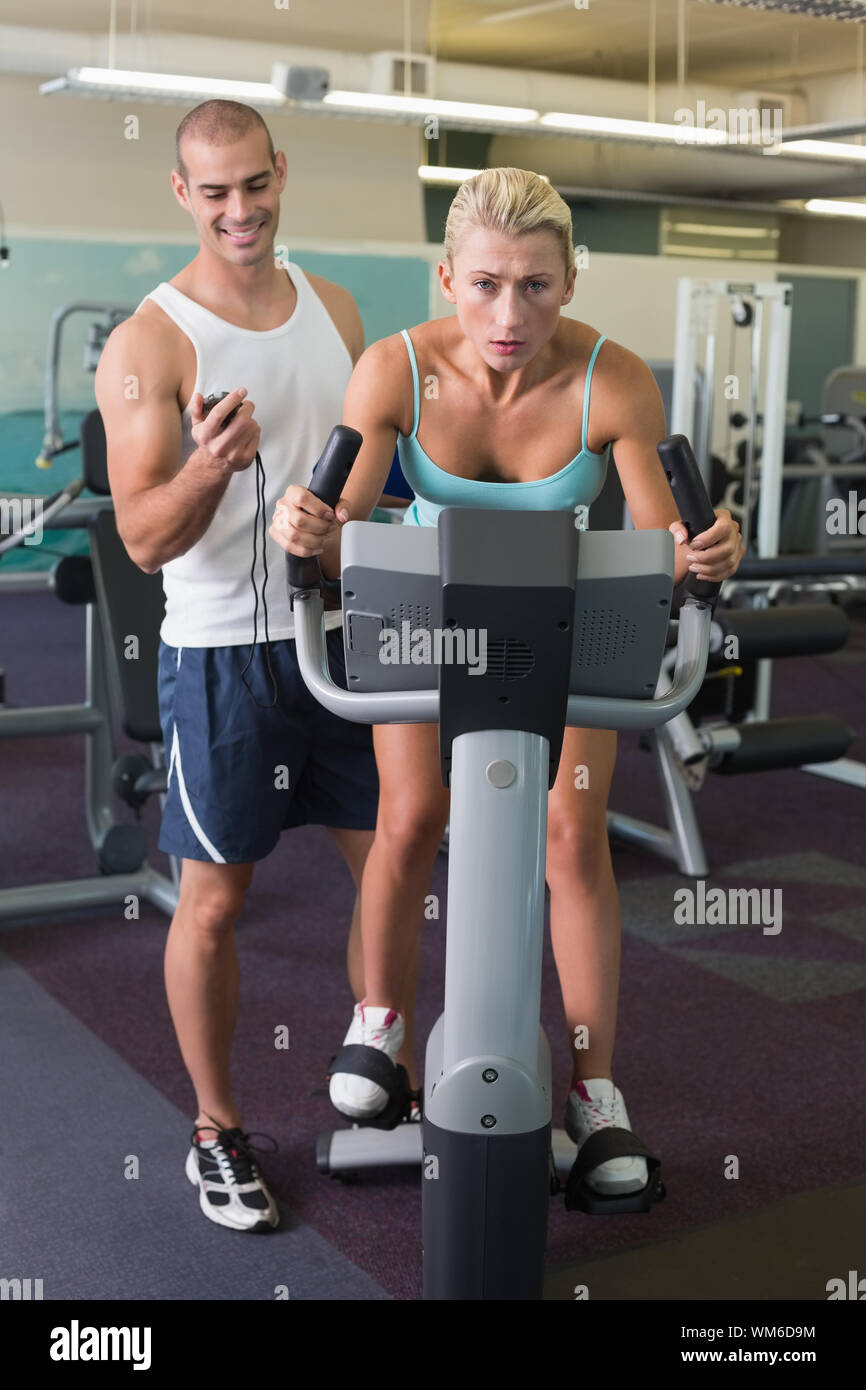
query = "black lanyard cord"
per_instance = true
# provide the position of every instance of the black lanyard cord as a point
(260, 510)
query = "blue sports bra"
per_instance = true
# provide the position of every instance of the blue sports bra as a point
(577, 484)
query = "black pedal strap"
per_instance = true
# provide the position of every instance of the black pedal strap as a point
(612, 1142)
(358, 1059)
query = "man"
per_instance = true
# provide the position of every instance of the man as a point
(250, 753)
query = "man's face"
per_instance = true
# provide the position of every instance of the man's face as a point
(508, 291)
(233, 193)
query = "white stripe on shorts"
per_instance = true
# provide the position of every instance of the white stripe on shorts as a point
(187, 804)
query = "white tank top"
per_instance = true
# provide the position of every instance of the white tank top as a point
(296, 376)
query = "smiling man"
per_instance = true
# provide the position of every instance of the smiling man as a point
(251, 754)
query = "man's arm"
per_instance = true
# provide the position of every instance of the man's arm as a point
(638, 411)
(163, 506)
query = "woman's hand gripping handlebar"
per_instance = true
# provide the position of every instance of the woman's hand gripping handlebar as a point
(696, 510)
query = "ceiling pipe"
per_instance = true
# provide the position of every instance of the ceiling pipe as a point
(824, 130)
(679, 200)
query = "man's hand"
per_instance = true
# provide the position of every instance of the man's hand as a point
(233, 447)
(714, 554)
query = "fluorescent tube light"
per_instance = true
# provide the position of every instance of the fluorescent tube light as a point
(121, 81)
(430, 106)
(823, 149)
(448, 174)
(836, 209)
(639, 130)
(436, 173)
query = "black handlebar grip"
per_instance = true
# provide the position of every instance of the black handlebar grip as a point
(693, 503)
(327, 482)
(335, 464)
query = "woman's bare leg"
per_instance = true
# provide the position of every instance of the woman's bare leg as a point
(355, 846)
(585, 923)
(413, 811)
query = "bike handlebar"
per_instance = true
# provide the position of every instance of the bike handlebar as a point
(328, 480)
(422, 706)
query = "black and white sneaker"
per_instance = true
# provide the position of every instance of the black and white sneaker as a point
(232, 1191)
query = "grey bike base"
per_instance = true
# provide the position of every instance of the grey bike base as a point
(485, 1200)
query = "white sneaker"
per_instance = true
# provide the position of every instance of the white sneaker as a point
(594, 1105)
(232, 1191)
(357, 1096)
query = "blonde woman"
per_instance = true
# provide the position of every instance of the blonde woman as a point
(505, 404)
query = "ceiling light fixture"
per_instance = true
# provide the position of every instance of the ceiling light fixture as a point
(122, 82)
(833, 208)
(565, 122)
(429, 106)
(448, 174)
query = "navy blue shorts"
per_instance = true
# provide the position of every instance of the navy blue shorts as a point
(240, 775)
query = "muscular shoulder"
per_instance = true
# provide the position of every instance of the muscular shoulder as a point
(341, 305)
(147, 345)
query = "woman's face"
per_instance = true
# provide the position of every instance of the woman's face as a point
(508, 291)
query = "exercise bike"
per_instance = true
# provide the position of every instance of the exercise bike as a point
(576, 625)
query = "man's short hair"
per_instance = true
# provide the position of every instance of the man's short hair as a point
(218, 122)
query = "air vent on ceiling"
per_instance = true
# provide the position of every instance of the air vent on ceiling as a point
(402, 74)
(788, 105)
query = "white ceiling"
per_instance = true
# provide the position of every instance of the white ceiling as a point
(611, 38)
(360, 25)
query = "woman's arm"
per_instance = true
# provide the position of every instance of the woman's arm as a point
(375, 405)
(635, 406)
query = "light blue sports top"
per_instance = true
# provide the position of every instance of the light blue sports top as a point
(577, 484)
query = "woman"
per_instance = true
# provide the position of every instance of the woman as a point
(491, 407)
